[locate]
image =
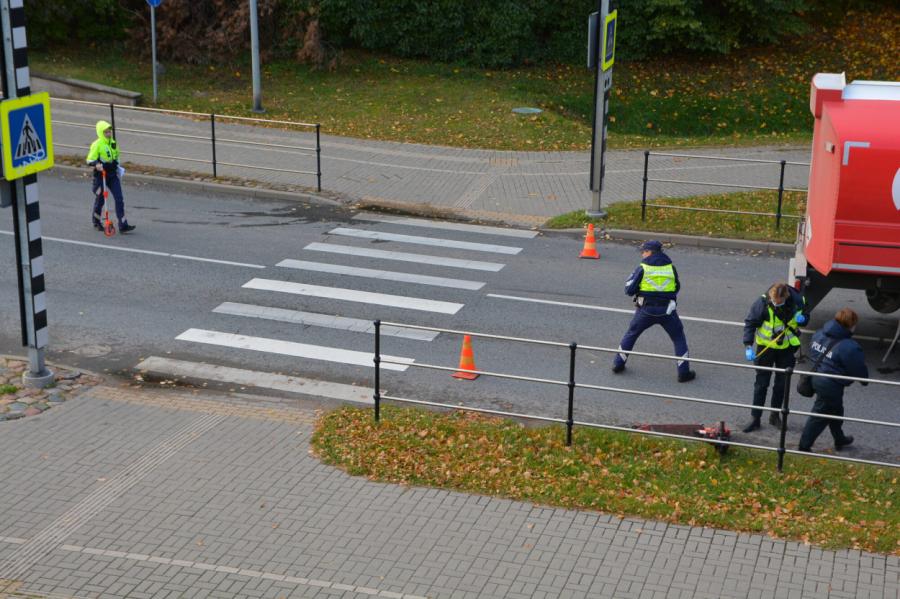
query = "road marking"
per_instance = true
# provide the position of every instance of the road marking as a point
(433, 241)
(384, 275)
(449, 226)
(312, 582)
(404, 257)
(253, 378)
(290, 348)
(602, 308)
(730, 323)
(30, 553)
(352, 295)
(356, 325)
(147, 252)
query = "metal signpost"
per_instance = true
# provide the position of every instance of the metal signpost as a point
(153, 4)
(254, 57)
(601, 56)
(27, 148)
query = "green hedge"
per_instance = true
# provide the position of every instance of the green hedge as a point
(490, 33)
(507, 32)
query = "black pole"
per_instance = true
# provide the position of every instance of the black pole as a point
(377, 395)
(318, 158)
(780, 196)
(570, 417)
(644, 194)
(785, 410)
(212, 128)
(112, 117)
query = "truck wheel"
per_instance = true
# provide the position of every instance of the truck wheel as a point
(883, 301)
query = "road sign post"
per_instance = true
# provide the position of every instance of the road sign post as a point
(153, 4)
(601, 56)
(27, 147)
(254, 58)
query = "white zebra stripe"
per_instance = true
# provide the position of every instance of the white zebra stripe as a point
(384, 275)
(404, 257)
(352, 295)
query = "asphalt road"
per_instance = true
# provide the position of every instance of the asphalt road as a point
(114, 302)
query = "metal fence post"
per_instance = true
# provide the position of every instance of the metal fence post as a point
(570, 416)
(212, 128)
(318, 158)
(644, 194)
(780, 196)
(377, 395)
(785, 410)
(112, 117)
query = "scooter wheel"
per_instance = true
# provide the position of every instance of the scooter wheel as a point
(110, 230)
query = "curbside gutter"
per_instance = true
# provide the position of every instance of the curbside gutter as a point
(429, 211)
(722, 243)
(206, 186)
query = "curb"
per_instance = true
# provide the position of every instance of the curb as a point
(722, 243)
(786, 249)
(205, 186)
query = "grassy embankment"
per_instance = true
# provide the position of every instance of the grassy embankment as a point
(755, 96)
(818, 501)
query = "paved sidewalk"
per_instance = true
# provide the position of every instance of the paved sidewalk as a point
(145, 494)
(478, 182)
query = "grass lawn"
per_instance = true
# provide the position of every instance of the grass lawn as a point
(627, 215)
(817, 501)
(756, 96)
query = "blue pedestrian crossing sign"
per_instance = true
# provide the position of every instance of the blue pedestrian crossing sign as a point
(26, 135)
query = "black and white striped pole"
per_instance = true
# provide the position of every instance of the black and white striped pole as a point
(27, 147)
(601, 55)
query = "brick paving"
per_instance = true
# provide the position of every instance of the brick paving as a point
(134, 493)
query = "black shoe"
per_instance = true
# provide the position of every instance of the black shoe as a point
(125, 228)
(617, 368)
(752, 426)
(848, 440)
(806, 449)
(687, 376)
(775, 419)
(97, 225)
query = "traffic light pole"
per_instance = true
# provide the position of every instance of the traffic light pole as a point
(23, 193)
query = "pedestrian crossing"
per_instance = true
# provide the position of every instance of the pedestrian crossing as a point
(317, 307)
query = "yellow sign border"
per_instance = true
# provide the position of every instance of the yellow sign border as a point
(610, 17)
(6, 106)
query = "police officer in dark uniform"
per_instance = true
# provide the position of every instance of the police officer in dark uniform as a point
(838, 353)
(654, 285)
(774, 323)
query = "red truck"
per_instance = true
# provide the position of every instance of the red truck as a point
(850, 237)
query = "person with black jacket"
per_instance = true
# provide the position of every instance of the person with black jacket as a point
(839, 354)
(774, 324)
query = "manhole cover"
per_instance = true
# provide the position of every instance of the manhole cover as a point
(527, 110)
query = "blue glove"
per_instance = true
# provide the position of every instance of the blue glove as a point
(750, 354)
(800, 317)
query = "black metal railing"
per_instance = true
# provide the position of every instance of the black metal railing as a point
(214, 141)
(778, 213)
(572, 385)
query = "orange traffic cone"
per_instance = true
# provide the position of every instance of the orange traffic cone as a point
(466, 361)
(590, 244)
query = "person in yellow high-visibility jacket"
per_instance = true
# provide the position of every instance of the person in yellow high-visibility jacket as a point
(654, 285)
(104, 157)
(774, 323)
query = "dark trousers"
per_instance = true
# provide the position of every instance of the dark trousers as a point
(114, 186)
(646, 317)
(829, 400)
(779, 358)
